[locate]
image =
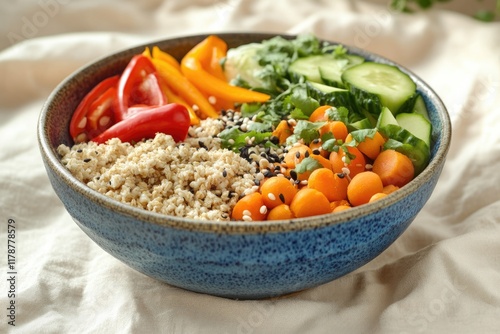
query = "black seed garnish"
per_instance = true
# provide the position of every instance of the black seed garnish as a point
(268, 173)
(86, 160)
(224, 173)
(80, 151)
(306, 154)
(282, 198)
(316, 152)
(202, 145)
(275, 140)
(293, 175)
(341, 175)
(297, 155)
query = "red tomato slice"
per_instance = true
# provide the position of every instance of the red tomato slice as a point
(87, 120)
(138, 85)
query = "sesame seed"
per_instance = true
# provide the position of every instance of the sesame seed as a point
(271, 196)
(263, 210)
(247, 213)
(247, 218)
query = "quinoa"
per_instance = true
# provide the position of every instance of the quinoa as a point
(194, 179)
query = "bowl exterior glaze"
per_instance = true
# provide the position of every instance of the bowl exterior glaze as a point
(231, 259)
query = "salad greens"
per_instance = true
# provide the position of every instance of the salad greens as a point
(304, 73)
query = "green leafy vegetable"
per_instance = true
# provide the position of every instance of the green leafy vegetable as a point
(307, 165)
(233, 138)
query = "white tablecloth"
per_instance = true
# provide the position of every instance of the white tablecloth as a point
(441, 276)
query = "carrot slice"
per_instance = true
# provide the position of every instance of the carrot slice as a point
(362, 187)
(394, 168)
(309, 202)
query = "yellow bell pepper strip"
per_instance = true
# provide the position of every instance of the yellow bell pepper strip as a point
(173, 98)
(184, 88)
(192, 68)
(162, 55)
(147, 53)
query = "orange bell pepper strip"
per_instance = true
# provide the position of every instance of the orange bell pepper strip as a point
(192, 67)
(184, 88)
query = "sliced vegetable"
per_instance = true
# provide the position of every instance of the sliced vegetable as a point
(250, 208)
(309, 202)
(192, 68)
(417, 125)
(96, 105)
(277, 190)
(280, 212)
(184, 88)
(403, 141)
(324, 68)
(375, 85)
(348, 158)
(420, 108)
(332, 75)
(138, 85)
(363, 186)
(172, 119)
(332, 185)
(386, 117)
(394, 168)
(173, 98)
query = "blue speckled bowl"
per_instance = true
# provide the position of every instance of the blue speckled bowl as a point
(231, 259)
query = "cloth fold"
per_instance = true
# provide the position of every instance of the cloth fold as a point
(442, 275)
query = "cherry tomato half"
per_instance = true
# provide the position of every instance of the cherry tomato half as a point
(138, 85)
(95, 112)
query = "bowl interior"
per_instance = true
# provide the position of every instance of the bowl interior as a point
(58, 109)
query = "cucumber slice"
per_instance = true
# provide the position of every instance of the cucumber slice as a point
(331, 73)
(308, 67)
(417, 125)
(386, 117)
(326, 68)
(376, 85)
(420, 108)
(325, 88)
(362, 124)
(336, 97)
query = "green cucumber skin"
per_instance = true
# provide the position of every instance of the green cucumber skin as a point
(354, 80)
(365, 101)
(417, 125)
(420, 107)
(404, 142)
(408, 106)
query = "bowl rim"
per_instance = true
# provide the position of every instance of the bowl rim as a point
(52, 159)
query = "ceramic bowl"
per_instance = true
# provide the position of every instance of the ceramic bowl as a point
(243, 260)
